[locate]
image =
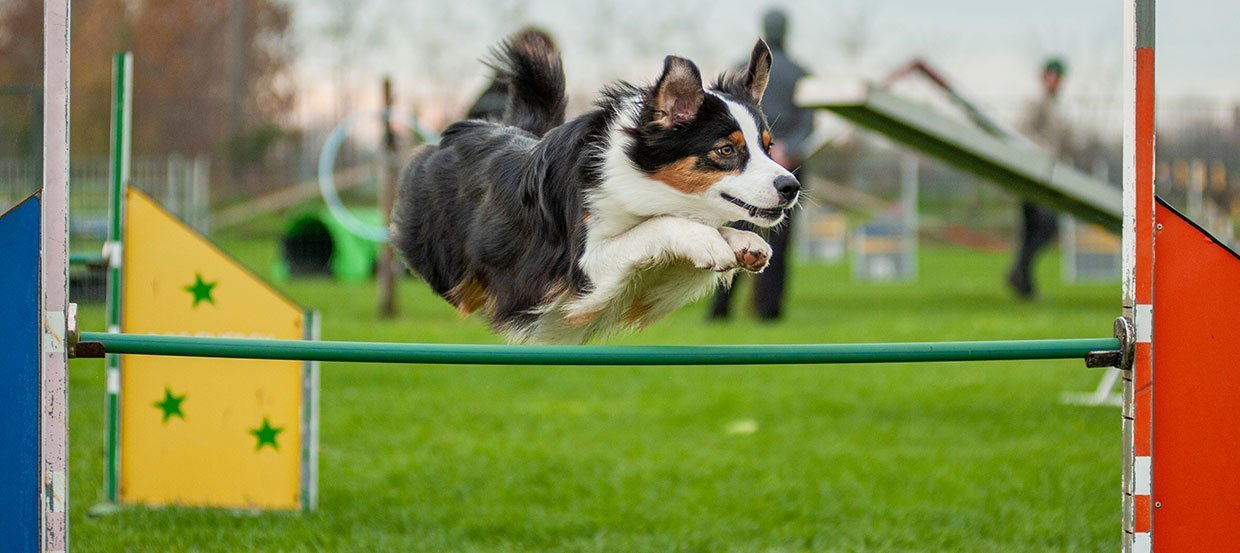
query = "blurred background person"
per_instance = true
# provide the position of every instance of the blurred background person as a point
(1043, 124)
(491, 102)
(790, 125)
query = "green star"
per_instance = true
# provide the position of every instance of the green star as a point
(266, 435)
(171, 405)
(201, 290)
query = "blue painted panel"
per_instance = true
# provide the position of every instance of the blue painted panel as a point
(19, 378)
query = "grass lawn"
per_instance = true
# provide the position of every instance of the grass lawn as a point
(925, 457)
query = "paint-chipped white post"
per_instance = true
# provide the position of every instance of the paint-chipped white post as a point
(54, 414)
(1138, 275)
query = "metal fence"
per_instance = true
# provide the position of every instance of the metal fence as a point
(181, 184)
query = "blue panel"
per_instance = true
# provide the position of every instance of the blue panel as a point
(19, 378)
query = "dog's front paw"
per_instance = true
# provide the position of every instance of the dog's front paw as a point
(753, 261)
(708, 250)
(751, 251)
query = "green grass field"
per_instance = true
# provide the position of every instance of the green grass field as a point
(927, 457)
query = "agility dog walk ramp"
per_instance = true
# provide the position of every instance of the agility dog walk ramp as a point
(1021, 168)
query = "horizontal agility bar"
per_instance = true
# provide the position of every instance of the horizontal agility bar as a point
(86, 259)
(96, 344)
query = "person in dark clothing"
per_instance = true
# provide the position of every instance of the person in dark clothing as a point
(1038, 225)
(790, 126)
(490, 104)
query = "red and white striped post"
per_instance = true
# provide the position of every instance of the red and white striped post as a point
(1138, 258)
(1182, 294)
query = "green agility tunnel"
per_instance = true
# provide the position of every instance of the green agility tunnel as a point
(315, 243)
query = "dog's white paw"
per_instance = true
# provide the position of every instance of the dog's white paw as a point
(752, 253)
(707, 249)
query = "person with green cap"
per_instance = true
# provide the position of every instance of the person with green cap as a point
(1043, 124)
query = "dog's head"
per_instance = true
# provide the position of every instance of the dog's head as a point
(711, 149)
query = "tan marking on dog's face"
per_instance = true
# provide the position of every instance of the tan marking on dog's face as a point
(766, 140)
(469, 295)
(737, 139)
(686, 177)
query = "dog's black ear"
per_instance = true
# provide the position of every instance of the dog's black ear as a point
(759, 71)
(678, 94)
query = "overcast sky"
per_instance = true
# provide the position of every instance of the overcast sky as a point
(989, 48)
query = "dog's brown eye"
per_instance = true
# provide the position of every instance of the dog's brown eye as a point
(726, 151)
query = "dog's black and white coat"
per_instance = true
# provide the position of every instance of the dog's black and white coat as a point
(563, 231)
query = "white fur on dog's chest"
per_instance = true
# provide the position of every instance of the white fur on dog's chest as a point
(654, 292)
(643, 274)
(645, 296)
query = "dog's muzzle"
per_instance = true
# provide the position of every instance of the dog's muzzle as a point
(755, 211)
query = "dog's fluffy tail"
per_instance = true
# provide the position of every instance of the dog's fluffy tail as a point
(529, 63)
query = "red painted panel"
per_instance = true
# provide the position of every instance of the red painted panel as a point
(1196, 459)
(1141, 513)
(1144, 153)
(1141, 390)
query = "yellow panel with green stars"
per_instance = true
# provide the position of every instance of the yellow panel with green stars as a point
(200, 431)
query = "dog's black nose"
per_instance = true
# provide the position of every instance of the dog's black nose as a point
(788, 186)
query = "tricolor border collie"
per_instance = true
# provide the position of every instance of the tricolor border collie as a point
(561, 232)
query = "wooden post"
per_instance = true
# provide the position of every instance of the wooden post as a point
(385, 273)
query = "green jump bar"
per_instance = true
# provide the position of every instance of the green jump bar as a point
(483, 354)
(86, 259)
